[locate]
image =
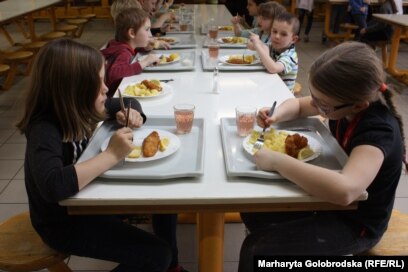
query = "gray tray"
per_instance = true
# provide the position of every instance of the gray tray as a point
(185, 41)
(209, 65)
(239, 163)
(177, 66)
(187, 161)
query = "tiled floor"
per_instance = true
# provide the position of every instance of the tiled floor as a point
(13, 198)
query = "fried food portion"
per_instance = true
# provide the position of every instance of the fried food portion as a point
(225, 28)
(294, 143)
(168, 40)
(151, 144)
(234, 40)
(239, 59)
(152, 85)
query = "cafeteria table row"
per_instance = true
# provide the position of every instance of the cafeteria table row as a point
(210, 173)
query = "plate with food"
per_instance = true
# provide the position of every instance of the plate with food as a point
(226, 28)
(233, 40)
(169, 58)
(169, 40)
(294, 144)
(150, 145)
(148, 88)
(240, 59)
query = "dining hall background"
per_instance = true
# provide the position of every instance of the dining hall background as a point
(13, 198)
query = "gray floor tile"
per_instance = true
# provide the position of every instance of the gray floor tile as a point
(77, 263)
(12, 151)
(9, 168)
(17, 138)
(15, 192)
(5, 134)
(401, 204)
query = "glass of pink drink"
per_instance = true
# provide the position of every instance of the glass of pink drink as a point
(245, 119)
(184, 115)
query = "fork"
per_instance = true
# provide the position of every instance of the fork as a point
(260, 141)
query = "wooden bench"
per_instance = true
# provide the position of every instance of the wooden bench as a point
(22, 250)
(5, 71)
(395, 239)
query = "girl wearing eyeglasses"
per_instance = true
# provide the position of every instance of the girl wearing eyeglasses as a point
(347, 87)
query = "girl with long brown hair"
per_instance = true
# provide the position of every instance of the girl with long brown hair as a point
(347, 87)
(65, 101)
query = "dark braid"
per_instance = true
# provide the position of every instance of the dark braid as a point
(388, 100)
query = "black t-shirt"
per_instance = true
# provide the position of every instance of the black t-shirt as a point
(379, 128)
(49, 170)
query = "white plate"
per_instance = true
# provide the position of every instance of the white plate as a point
(140, 134)
(166, 89)
(312, 142)
(224, 59)
(167, 55)
(245, 40)
(175, 40)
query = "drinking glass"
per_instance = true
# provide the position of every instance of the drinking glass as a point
(184, 116)
(245, 119)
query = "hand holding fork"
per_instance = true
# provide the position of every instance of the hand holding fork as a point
(260, 141)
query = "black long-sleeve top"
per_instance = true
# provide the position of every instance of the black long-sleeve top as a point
(49, 170)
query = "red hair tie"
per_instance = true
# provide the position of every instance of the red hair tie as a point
(383, 88)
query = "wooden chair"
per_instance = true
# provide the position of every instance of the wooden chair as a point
(53, 35)
(34, 46)
(5, 71)
(14, 60)
(22, 250)
(349, 30)
(80, 23)
(69, 30)
(395, 239)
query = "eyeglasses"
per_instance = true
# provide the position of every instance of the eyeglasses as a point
(328, 110)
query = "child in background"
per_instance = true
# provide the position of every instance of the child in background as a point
(132, 32)
(239, 23)
(363, 119)
(376, 30)
(266, 15)
(66, 100)
(281, 58)
(158, 21)
(305, 7)
(120, 5)
(359, 12)
(164, 5)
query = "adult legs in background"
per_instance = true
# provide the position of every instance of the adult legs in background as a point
(109, 238)
(308, 25)
(299, 233)
(309, 18)
(361, 21)
(338, 16)
(165, 227)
